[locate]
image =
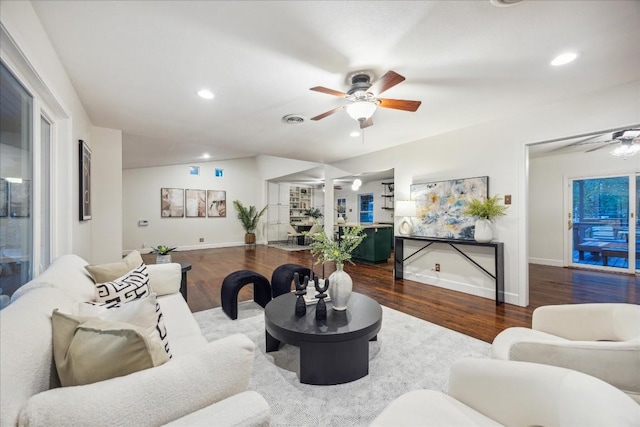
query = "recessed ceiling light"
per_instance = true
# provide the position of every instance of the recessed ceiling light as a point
(354, 134)
(206, 156)
(205, 93)
(564, 58)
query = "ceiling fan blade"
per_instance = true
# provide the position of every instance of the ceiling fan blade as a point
(602, 146)
(587, 141)
(327, 113)
(399, 104)
(366, 123)
(329, 91)
(389, 80)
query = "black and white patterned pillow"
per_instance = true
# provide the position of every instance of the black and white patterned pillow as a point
(131, 286)
(116, 300)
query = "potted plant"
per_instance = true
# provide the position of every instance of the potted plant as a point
(162, 252)
(485, 211)
(249, 217)
(314, 214)
(324, 248)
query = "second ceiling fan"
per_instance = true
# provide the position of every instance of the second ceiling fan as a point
(363, 97)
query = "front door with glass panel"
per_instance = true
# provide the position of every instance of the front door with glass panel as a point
(603, 228)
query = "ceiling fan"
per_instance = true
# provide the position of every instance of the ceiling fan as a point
(363, 97)
(628, 139)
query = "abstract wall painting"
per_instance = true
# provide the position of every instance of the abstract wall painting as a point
(216, 203)
(196, 203)
(172, 202)
(85, 181)
(440, 205)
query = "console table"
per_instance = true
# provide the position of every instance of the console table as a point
(498, 250)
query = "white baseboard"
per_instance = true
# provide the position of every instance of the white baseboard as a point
(466, 288)
(544, 261)
(196, 247)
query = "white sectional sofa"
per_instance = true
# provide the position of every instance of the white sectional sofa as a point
(203, 384)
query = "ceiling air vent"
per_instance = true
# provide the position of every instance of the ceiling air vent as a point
(293, 119)
(504, 3)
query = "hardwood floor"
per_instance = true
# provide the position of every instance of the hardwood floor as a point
(474, 316)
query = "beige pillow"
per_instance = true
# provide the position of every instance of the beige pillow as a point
(107, 272)
(143, 312)
(91, 349)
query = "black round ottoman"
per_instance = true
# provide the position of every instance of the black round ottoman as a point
(283, 276)
(232, 284)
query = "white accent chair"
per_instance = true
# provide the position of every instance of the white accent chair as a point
(602, 340)
(292, 234)
(484, 392)
(315, 228)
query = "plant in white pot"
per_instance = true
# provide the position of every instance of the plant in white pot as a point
(314, 214)
(163, 256)
(249, 217)
(485, 211)
(324, 248)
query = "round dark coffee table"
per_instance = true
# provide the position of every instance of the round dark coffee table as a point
(332, 351)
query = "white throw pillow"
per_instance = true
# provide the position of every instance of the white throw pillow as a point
(131, 286)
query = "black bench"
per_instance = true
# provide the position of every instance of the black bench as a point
(282, 277)
(232, 284)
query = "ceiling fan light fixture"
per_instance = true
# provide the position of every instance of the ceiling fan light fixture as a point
(361, 110)
(205, 94)
(626, 150)
(564, 58)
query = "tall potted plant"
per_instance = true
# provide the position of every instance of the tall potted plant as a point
(324, 248)
(485, 211)
(249, 217)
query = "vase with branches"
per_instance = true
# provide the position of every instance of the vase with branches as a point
(325, 248)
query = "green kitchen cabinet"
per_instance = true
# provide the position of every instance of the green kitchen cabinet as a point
(376, 247)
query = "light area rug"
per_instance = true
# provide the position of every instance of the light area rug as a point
(409, 354)
(289, 247)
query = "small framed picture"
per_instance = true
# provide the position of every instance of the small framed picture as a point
(219, 173)
(216, 203)
(4, 194)
(172, 202)
(20, 199)
(196, 203)
(194, 170)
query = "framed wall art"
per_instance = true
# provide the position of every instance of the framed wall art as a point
(4, 194)
(20, 199)
(196, 203)
(440, 207)
(85, 181)
(216, 203)
(172, 202)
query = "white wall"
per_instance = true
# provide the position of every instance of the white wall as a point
(106, 192)
(496, 149)
(547, 197)
(141, 200)
(375, 187)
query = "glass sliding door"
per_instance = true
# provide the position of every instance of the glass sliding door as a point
(16, 183)
(600, 223)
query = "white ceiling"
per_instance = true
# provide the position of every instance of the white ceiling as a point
(137, 66)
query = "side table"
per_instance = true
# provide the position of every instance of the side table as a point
(185, 266)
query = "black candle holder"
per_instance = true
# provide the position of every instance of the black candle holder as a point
(321, 306)
(301, 291)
